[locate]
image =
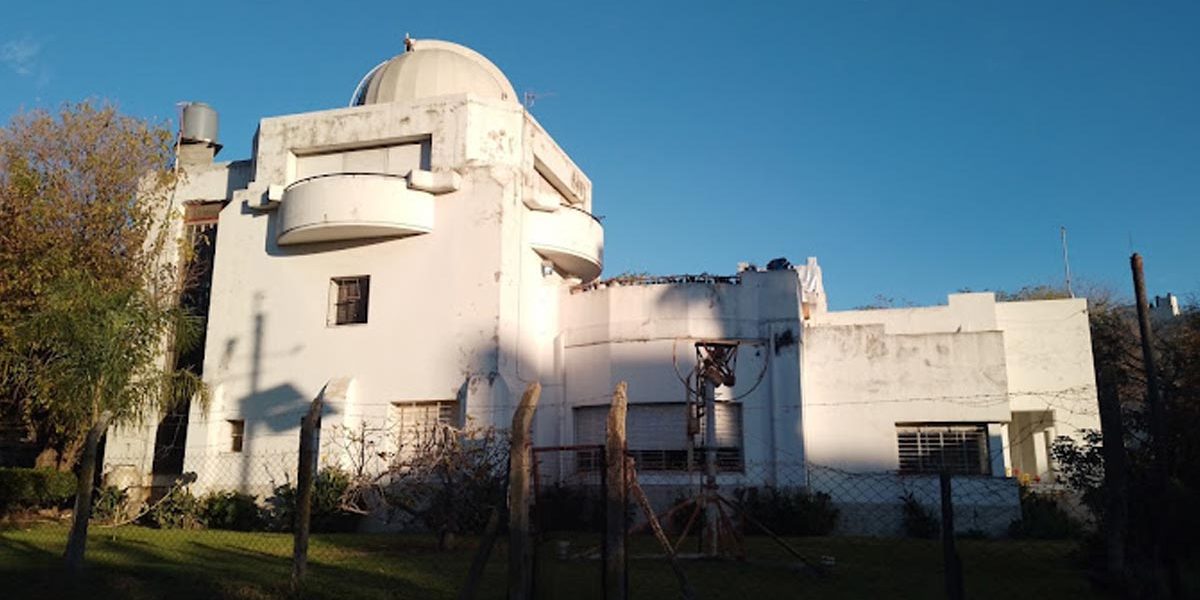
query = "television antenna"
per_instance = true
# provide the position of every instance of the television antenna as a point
(716, 365)
(531, 97)
(1066, 261)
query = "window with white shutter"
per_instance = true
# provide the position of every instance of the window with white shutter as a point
(961, 449)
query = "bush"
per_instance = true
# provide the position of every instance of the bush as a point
(231, 510)
(179, 509)
(109, 504)
(917, 520)
(1042, 518)
(788, 511)
(34, 488)
(445, 482)
(327, 514)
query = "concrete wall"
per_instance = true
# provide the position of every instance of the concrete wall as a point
(129, 449)
(645, 334)
(1051, 379)
(1022, 368)
(1050, 366)
(860, 381)
(867, 371)
(463, 312)
(963, 313)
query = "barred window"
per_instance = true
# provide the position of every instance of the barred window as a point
(961, 449)
(348, 299)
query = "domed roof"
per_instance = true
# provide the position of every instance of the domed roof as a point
(432, 68)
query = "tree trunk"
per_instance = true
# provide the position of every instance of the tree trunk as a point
(47, 458)
(77, 542)
(71, 451)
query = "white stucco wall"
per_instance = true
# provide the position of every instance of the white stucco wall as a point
(1022, 368)
(860, 381)
(645, 334)
(463, 312)
(129, 449)
(1050, 365)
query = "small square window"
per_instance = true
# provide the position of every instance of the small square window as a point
(237, 434)
(348, 297)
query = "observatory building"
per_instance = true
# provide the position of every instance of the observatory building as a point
(421, 256)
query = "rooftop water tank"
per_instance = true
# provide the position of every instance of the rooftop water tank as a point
(198, 124)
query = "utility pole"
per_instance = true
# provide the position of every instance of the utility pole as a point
(1158, 430)
(1158, 417)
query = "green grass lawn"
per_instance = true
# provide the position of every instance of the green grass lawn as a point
(138, 563)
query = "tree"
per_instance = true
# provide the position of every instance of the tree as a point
(446, 479)
(89, 283)
(85, 199)
(1117, 353)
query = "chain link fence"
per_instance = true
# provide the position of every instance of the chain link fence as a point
(225, 528)
(411, 524)
(819, 531)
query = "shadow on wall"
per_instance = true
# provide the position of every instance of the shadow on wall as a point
(273, 249)
(271, 416)
(275, 410)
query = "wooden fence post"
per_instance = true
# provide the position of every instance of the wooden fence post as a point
(1116, 499)
(77, 541)
(616, 583)
(310, 426)
(950, 559)
(520, 460)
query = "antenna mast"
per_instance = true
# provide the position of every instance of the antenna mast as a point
(1066, 261)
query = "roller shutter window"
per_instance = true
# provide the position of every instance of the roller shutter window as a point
(656, 435)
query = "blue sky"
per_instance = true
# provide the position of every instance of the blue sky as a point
(915, 148)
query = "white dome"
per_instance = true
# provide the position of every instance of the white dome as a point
(433, 68)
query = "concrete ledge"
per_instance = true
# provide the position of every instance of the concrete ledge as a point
(434, 182)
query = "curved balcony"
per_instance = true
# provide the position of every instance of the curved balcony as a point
(351, 206)
(570, 238)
